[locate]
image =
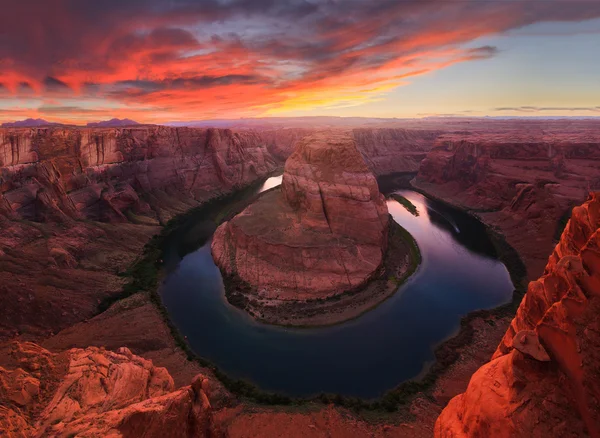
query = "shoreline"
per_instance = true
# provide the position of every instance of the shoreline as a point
(340, 308)
(446, 353)
(508, 255)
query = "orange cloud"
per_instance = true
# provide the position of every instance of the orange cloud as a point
(162, 60)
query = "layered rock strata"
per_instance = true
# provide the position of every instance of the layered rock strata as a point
(93, 392)
(394, 150)
(146, 173)
(322, 233)
(521, 182)
(543, 378)
(119, 174)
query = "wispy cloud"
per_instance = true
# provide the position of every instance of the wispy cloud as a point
(199, 58)
(535, 109)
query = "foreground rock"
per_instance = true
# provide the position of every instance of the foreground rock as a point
(543, 379)
(95, 393)
(323, 233)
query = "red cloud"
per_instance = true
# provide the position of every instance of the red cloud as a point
(156, 60)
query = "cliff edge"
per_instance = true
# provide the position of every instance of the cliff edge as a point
(543, 378)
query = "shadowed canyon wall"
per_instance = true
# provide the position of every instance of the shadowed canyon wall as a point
(107, 174)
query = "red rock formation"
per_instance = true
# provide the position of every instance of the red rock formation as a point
(543, 379)
(93, 392)
(56, 174)
(391, 150)
(520, 182)
(323, 233)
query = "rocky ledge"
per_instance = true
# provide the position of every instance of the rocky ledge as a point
(93, 392)
(543, 378)
(324, 232)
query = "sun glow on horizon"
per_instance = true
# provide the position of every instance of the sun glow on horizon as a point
(182, 62)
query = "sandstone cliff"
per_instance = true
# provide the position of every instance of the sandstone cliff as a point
(543, 379)
(95, 393)
(324, 232)
(391, 150)
(147, 173)
(520, 182)
(56, 174)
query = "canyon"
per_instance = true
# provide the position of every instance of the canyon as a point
(521, 182)
(78, 206)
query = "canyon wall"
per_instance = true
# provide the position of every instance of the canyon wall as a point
(521, 183)
(543, 379)
(150, 173)
(391, 150)
(57, 174)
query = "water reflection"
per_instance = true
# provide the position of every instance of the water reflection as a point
(465, 229)
(274, 181)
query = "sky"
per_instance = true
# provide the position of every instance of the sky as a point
(158, 61)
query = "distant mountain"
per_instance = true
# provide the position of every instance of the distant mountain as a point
(113, 123)
(28, 123)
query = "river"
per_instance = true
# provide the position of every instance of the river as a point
(364, 357)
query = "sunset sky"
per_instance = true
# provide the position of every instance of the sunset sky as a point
(178, 60)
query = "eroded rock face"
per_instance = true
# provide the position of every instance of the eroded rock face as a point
(521, 182)
(391, 150)
(113, 174)
(543, 379)
(57, 174)
(324, 232)
(95, 393)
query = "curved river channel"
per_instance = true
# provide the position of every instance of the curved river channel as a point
(364, 357)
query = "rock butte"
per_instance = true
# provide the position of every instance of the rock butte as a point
(322, 233)
(543, 379)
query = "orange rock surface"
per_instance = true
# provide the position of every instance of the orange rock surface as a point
(323, 233)
(543, 379)
(96, 393)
